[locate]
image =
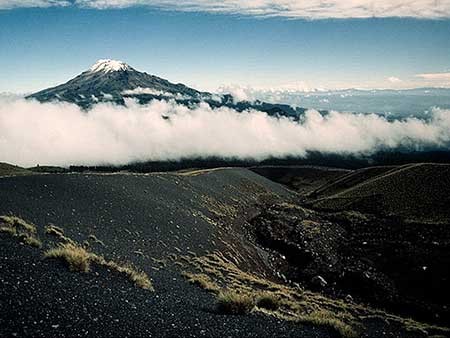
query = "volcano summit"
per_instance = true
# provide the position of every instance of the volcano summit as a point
(114, 81)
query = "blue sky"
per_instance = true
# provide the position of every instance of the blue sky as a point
(204, 48)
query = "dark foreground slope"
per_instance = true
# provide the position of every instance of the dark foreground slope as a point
(165, 225)
(379, 235)
(139, 219)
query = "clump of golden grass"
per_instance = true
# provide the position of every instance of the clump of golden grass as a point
(30, 240)
(17, 222)
(76, 257)
(17, 227)
(231, 302)
(54, 230)
(8, 230)
(268, 301)
(328, 319)
(58, 232)
(201, 280)
(139, 278)
(80, 259)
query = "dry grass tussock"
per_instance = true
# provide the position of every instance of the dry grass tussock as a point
(201, 280)
(58, 232)
(76, 257)
(269, 301)
(17, 227)
(80, 259)
(234, 303)
(328, 319)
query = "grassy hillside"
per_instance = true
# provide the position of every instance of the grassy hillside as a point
(11, 170)
(303, 179)
(418, 192)
(349, 180)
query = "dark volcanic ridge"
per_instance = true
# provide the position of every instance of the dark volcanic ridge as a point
(196, 234)
(414, 191)
(335, 163)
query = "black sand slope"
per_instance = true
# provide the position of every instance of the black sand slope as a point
(140, 219)
(40, 298)
(159, 213)
(164, 224)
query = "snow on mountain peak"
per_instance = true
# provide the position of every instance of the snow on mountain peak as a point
(107, 65)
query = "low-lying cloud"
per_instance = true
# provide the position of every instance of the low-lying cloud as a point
(436, 79)
(61, 134)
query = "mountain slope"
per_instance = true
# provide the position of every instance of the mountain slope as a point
(140, 219)
(109, 80)
(416, 191)
(379, 234)
(114, 81)
(12, 170)
(303, 179)
(164, 224)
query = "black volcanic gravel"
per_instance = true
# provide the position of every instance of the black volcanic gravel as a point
(150, 213)
(157, 215)
(41, 298)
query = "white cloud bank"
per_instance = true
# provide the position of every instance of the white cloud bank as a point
(61, 134)
(435, 76)
(310, 9)
(10, 4)
(441, 80)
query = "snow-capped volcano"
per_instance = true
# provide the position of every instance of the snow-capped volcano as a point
(114, 81)
(108, 65)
